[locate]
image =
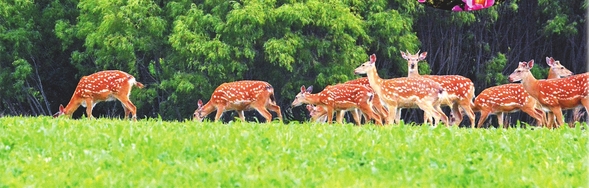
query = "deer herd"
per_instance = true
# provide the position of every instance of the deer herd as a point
(374, 98)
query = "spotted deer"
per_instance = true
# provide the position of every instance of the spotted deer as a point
(317, 114)
(376, 102)
(406, 92)
(558, 71)
(509, 98)
(460, 89)
(102, 86)
(341, 98)
(554, 94)
(240, 96)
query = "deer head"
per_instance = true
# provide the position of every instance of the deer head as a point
(557, 69)
(522, 70)
(60, 112)
(300, 98)
(412, 60)
(367, 66)
(198, 113)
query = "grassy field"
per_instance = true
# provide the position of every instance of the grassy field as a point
(46, 152)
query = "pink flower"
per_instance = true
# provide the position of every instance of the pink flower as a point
(474, 5)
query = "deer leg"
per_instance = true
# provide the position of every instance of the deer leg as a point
(539, 117)
(339, 116)
(438, 109)
(357, 117)
(128, 107)
(220, 110)
(585, 103)
(398, 115)
(267, 115)
(483, 118)
(427, 118)
(558, 115)
(275, 109)
(542, 115)
(367, 110)
(89, 106)
(125, 109)
(501, 120)
(132, 109)
(241, 115)
(329, 114)
(391, 117)
(429, 109)
(469, 112)
(550, 120)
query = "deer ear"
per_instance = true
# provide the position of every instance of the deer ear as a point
(403, 55)
(309, 107)
(549, 61)
(302, 89)
(422, 56)
(310, 89)
(530, 64)
(61, 108)
(373, 58)
(199, 103)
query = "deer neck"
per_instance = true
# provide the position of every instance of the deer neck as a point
(531, 84)
(412, 73)
(208, 108)
(552, 74)
(72, 106)
(374, 80)
(313, 99)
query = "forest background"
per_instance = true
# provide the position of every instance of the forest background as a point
(182, 50)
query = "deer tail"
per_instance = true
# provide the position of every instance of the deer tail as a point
(139, 85)
(271, 90)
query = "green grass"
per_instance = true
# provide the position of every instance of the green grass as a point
(46, 152)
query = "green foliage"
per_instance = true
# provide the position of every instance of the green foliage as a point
(562, 17)
(494, 70)
(540, 72)
(114, 32)
(154, 153)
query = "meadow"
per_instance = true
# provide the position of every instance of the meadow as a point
(47, 152)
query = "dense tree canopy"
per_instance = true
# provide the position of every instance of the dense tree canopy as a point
(182, 50)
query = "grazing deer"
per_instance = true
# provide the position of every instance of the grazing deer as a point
(376, 102)
(102, 86)
(317, 114)
(554, 94)
(340, 97)
(240, 96)
(509, 98)
(460, 89)
(406, 92)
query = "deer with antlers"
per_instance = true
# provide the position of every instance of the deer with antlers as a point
(240, 96)
(460, 89)
(341, 98)
(554, 94)
(406, 92)
(101, 86)
(509, 98)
